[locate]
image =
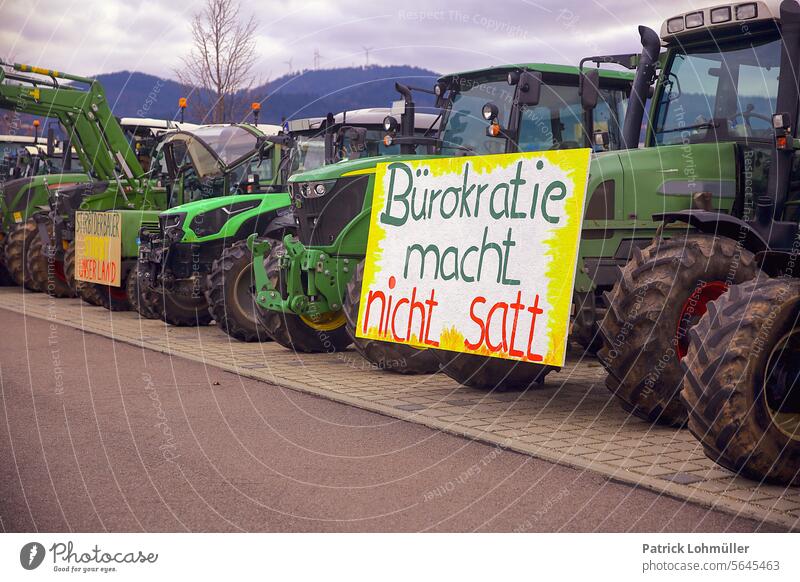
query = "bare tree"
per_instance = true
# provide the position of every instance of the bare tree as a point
(220, 64)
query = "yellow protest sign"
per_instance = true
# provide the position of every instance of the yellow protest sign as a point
(475, 254)
(98, 247)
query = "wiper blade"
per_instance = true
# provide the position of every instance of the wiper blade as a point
(704, 125)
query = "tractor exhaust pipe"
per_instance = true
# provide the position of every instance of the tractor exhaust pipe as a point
(407, 121)
(645, 74)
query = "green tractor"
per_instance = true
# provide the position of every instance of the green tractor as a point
(218, 286)
(713, 108)
(308, 288)
(226, 180)
(111, 171)
(713, 304)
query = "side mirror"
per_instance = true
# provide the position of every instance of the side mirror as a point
(529, 88)
(439, 90)
(588, 87)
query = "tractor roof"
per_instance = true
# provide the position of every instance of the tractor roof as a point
(376, 115)
(543, 68)
(720, 17)
(22, 139)
(359, 118)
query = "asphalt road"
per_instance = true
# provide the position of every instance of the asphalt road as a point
(97, 435)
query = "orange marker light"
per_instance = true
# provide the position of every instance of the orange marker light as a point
(182, 102)
(36, 123)
(494, 129)
(255, 106)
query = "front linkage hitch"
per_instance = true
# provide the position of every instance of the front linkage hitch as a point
(326, 278)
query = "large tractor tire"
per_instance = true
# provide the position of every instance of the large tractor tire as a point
(112, 298)
(388, 356)
(46, 272)
(145, 299)
(663, 291)
(150, 302)
(6, 279)
(229, 292)
(16, 250)
(86, 291)
(488, 373)
(326, 333)
(742, 386)
(183, 310)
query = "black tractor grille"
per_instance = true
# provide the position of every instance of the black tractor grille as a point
(320, 220)
(186, 260)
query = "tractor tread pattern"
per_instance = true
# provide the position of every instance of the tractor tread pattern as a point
(639, 329)
(224, 269)
(724, 364)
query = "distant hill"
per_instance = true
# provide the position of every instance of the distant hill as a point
(303, 94)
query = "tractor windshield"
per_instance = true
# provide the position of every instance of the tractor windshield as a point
(465, 126)
(228, 142)
(252, 174)
(724, 92)
(309, 153)
(556, 122)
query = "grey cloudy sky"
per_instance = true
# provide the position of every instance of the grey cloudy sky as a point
(100, 36)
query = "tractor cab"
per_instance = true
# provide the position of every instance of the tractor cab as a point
(218, 160)
(348, 135)
(529, 107)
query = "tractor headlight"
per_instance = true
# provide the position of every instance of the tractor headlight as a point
(171, 225)
(675, 25)
(314, 189)
(490, 111)
(390, 123)
(746, 11)
(694, 20)
(720, 15)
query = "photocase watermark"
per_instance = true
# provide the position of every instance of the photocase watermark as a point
(168, 447)
(359, 363)
(489, 23)
(151, 99)
(53, 346)
(94, 560)
(463, 477)
(528, 524)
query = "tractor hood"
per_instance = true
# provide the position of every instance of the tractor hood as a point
(199, 206)
(638, 183)
(361, 165)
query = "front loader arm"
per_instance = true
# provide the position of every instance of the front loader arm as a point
(84, 113)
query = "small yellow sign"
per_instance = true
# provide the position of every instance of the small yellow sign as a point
(98, 247)
(475, 254)
(18, 217)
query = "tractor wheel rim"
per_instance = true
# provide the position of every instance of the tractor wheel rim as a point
(243, 293)
(780, 390)
(325, 322)
(694, 308)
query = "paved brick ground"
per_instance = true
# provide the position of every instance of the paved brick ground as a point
(571, 420)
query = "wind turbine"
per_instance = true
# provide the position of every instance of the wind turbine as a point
(289, 62)
(317, 58)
